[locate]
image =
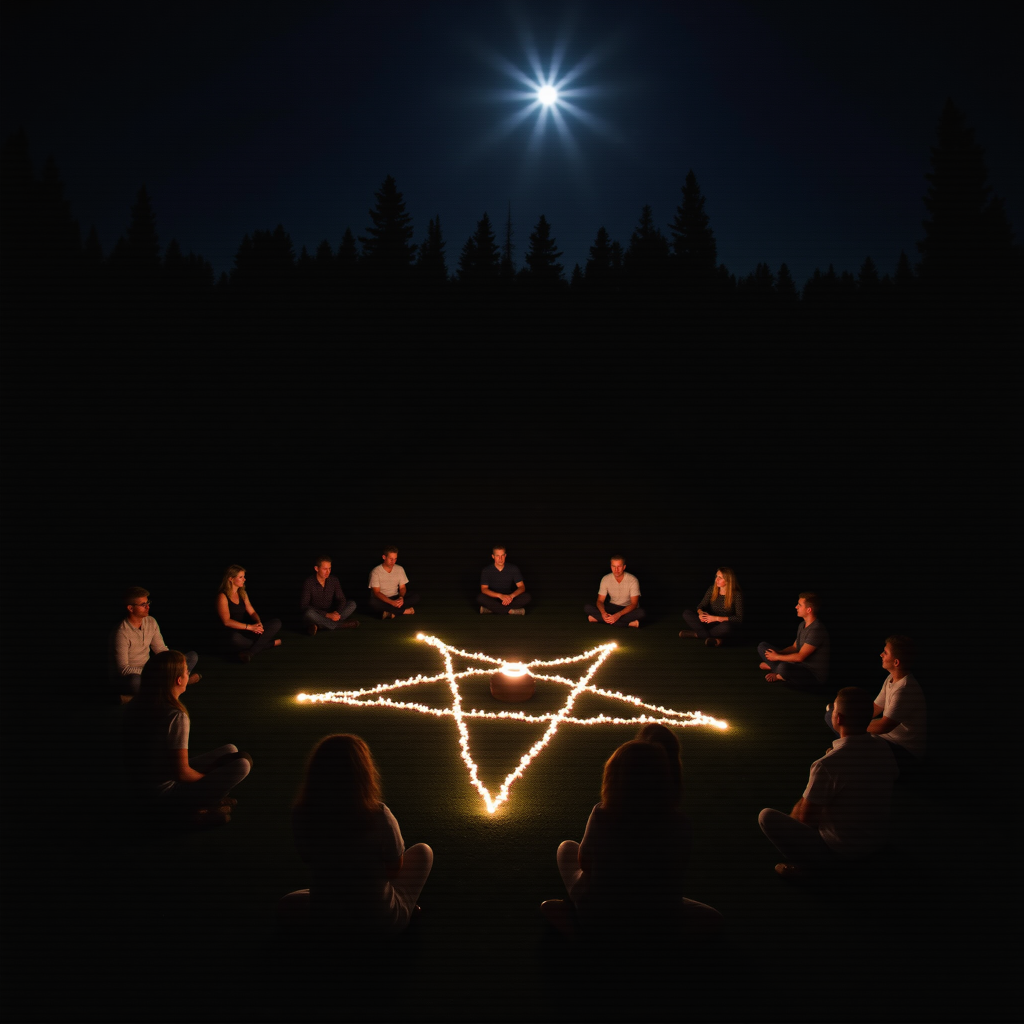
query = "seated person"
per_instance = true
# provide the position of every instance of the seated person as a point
(388, 585)
(805, 661)
(502, 590)
(156, 728)
(323, 603)
(247, 634)
(132, 642)
(634, 851)
(623, 591)
(844, 811)
(720, 610)
(362, 877)
(900, 713)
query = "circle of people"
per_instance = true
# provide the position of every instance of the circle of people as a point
(352, 844)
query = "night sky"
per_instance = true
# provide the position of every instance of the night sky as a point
(808, 125)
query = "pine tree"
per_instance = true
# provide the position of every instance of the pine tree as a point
(479, 262)
(647, 257)
(508, 266)
(599, 266)
(387, 245)
(967, 230)
(348, 257)
(143, 245)
(693, 241)
(430, 262)
(542, 257)
(785, 287)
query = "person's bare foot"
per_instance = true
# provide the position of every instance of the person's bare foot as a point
(409, 611)
(590, 618)
(774, 677)
(277, 643)
(688, 634)
(636, 623)
(765, 667)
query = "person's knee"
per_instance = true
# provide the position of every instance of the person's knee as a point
(569, 848)
(765, 817)
(421, 854)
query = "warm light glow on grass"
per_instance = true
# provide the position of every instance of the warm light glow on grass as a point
(374, 697)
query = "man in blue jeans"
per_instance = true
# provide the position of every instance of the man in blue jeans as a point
(323, 601)
(805, 661)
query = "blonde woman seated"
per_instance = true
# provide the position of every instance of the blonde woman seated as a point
(720, 610)
(629, 869)
(361, 875)
(156, 728)
(247, 633)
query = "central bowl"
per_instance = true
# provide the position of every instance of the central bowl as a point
(512, 682)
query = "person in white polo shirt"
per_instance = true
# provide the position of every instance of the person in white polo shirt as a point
(389, 587)
(845, 808)
(618, 598)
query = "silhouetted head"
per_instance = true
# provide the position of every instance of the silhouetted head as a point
(662, 736)
(341, 778)
(855, 707)
(161, 678)
(636, 780)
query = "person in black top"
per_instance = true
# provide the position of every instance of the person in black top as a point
(502, 590)
(720, 610)
(323, 603)
(247, 633)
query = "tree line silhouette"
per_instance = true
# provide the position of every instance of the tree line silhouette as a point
(969, 274)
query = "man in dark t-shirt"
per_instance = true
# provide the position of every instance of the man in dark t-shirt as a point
(502, 590)
(806, 659)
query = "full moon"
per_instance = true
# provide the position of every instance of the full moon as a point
(547, 94)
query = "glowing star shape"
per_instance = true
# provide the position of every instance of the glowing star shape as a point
(374, 697)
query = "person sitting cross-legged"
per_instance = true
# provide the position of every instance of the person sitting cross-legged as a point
(193, 790)
(135, 639)
(805, 661)
(720, 610)
(247, 634)
(618, 598)
(502, 590)
(323, 601)
(363, 880)
(900, 712)
(389, 593)
(845, 808)
(628, 872)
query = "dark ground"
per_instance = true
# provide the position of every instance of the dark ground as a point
(879, 478)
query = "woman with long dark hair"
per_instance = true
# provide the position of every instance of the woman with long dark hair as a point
(156, 728)
(629, 868)
(360, 871)
(247, 633)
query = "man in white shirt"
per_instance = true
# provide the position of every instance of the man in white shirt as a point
(388, 585)
(618, 598)
(844, 810)
(135, 639)
(900, 712)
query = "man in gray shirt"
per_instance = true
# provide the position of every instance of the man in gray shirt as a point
(805, 661)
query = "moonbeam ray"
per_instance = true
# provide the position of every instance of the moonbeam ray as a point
(375, 696)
